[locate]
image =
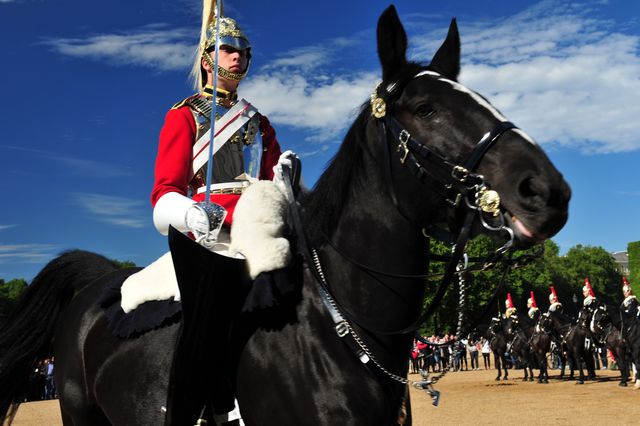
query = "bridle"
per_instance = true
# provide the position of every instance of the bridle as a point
(461, 187)
(458, 184)
(596, 327)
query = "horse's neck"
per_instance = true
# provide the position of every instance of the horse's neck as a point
(370, 237)
(561, 325)
(374, 234)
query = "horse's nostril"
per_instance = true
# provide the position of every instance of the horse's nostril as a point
(528, 187)
(533, 192)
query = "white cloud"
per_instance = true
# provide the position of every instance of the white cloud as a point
(306, 103)
(152, 47)
(566, 79)
(74, 165)
(562, 75)
(26, 253)
(6, 227)
(556, 69)
(114, 210)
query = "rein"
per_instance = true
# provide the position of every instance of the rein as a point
(456, 183)
(453, 182)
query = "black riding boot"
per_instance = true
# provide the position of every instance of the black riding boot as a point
(203, 373)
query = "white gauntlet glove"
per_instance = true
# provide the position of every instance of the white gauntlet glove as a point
(290, 161)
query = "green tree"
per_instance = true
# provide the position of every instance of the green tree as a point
(124, 263)
(10, 292)
(596, 264)
(633, 251)
(565, 273)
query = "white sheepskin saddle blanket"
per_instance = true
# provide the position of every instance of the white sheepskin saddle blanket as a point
(257, 235)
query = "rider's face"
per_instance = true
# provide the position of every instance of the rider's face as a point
(232, 59)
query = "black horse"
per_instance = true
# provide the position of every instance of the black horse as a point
(539, 342)
(394, 175)
(630, 332)
(576, 344)
(498, 345)
(519, 344)
(608, 332)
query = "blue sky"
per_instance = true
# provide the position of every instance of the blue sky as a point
(84, 87)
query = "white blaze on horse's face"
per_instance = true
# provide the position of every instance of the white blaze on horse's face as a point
(479, 100)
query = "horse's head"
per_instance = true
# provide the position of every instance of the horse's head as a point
(545, 323)
(495, 326)
(445, 141)
(599, 319)
(512, 325)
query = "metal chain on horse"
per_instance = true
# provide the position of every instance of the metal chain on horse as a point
(427, 383)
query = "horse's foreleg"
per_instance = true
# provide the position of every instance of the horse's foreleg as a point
(504, 366)
(578, 358)
(620, 359)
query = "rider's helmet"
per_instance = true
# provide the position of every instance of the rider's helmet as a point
(626, 287)
(230, 35)
(587, 292)
(553, 297)
(511, 309)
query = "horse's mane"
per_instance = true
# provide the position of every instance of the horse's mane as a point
(561, 317)
(322, 207)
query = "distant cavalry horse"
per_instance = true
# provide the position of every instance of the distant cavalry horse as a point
(630, 332)
(395, 174)
(518, 344)
(498, 345)
(610, 335)
(543, 342)
(539, 343)
(574, 344)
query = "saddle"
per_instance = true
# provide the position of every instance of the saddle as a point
(151, 297)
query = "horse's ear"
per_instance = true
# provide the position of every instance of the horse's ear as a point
(446, 61)
(392, 42)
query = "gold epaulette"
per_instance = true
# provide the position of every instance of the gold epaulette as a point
(184, 102)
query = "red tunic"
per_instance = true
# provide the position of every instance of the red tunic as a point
(175, 151)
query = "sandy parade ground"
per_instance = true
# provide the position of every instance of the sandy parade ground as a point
(475, 398)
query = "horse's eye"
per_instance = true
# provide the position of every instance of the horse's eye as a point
(424, 111)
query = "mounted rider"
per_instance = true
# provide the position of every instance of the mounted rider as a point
(588, 294)
(534, 312)
(555, 305)
(200, 194)
(245, 146)
(510, 308)
(630, 303)
(589, 304)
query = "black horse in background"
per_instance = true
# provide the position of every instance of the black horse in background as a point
(370, 207)
(519, 344)
(498, 345)
(608, 332)
(539, 342)
(548, 340)
(576, 344)
(630, 333)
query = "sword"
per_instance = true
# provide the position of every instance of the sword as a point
(214, 104)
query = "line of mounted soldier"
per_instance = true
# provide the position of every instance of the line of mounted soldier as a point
(574, 342)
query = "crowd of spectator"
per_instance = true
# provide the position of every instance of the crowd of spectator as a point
(435, 353)
(41, 382)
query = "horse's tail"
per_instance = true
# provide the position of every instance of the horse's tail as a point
(27, 334)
